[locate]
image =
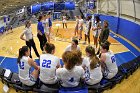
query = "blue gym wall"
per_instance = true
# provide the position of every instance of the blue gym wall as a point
(123, 27)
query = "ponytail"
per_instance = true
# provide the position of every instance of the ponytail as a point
(22, 53)
(94, 62)
(19, 56)
(91, 51)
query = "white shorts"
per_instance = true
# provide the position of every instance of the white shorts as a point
(29, 82)
(64, 21)
(95, 34)
(47, 31)
(86, 31)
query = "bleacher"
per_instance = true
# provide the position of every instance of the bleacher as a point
(125, 70)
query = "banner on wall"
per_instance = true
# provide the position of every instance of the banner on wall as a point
(35, 8)
(69, 5)
(59, 6)
(56, 6)
(47, 6)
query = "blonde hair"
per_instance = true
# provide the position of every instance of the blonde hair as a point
(70, 59)
(94, 61)
(78, 53)
(91, 51)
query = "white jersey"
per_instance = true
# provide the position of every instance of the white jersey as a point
(46, 25)
(24, 72)
(64, 19)
(70, 78)
(28, 33)
(68, 48)
(85, 64)
(77, 22)
(81, 21)
(96, 32)
(95, 75)
(48, 66)
(92, 76)
(86, 61)
(87, 27)
(111, 64)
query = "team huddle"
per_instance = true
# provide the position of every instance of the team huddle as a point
(90, 69)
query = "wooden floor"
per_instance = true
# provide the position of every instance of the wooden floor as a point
(10, 43)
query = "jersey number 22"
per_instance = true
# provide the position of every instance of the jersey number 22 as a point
(46, 63)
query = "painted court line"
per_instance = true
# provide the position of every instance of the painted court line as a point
(2, 60)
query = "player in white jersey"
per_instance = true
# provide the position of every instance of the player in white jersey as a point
(108, 61)
(29, 37)
(48, 65)
(71, 74)
(24, 65)
(74, 46)
(64, 21)
(87, 29)
(81, 22)
(76, 26)
(46, 27)
(93, 73)
(96, 30)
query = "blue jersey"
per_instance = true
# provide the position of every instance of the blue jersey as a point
(40, 27)
(50, 22)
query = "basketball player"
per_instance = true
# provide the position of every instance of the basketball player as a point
(74, 46)
(64, 21)
(46, 27)
(108, 61)
(93, 73)
(96, 30)
(79, 55)
(24, 65)
(81, 22)
(76, 26)
(71, 74)
(48, 65)
(40, 32)
(29, 38)
(50, 23)
(87, 30)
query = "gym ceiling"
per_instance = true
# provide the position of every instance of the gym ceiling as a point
(11, 6)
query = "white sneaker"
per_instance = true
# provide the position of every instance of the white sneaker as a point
(84, 43)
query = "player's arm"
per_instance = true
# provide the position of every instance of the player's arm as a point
(58, 63)
(102, 60)
(32, 63)
(82, 75)
(22, 36)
